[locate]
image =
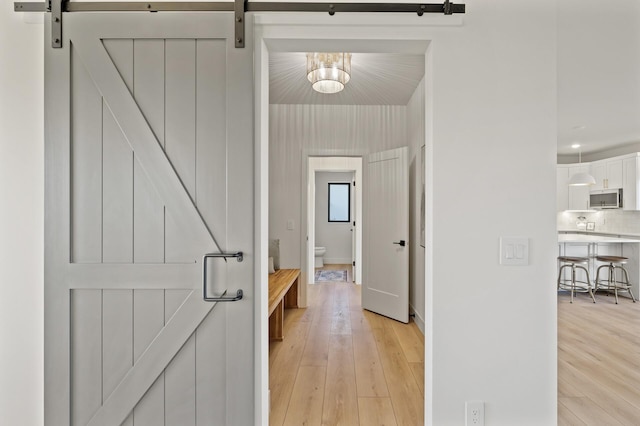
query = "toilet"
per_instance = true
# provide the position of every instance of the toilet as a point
(320, 251)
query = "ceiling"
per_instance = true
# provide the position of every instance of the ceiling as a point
(377, 79)
(598, 76)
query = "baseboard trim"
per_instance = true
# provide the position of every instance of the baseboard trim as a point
(417, 318)
(337, 261)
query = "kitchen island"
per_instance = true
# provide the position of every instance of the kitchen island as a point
(591, 245)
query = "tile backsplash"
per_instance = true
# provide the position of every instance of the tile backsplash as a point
(607, 221)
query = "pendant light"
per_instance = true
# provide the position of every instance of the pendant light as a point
(582, 178)
(328, 72)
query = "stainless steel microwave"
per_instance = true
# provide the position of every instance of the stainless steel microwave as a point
(606, 199)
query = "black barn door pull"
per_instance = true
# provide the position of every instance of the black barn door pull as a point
(222, 298)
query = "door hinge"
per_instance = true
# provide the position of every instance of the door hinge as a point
(354, 223)
(354, 263)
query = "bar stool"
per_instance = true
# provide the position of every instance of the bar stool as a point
(612, 283)
(572, 284)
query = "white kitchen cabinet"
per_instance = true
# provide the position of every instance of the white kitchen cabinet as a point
(619, 172)
(630, 198)
(571, 197)
(614, 174)
(578, 195)
(607, 173)
(599, 172)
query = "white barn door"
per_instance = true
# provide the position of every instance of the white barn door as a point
(149, 166)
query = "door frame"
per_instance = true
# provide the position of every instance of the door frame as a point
(334, 163)
(299, 31)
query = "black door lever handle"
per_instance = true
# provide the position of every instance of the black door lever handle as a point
(401, 243)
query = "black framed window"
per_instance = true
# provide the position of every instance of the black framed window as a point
(339, 202)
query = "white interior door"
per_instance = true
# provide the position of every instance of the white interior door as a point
(385, 289)
(149, 165)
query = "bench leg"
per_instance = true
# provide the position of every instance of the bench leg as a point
(276, 322)
(291, 297)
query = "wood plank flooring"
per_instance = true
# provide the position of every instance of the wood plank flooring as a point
(598, 360)
(341, 365)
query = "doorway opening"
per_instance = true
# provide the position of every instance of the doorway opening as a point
(285, 123)
(344, 240)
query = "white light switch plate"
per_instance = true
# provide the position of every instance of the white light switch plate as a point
(514, 251)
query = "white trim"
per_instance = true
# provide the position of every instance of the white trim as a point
(337, 260)
(299, 20)
(429, 228)
(261, 195)
(417, 318)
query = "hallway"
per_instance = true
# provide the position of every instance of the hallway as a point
(340, 364)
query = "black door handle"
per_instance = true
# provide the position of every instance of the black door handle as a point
(223, 298)
(401, 243)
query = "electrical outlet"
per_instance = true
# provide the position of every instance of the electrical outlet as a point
(474, 413)
(600, 218)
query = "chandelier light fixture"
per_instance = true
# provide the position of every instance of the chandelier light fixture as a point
(328, 72)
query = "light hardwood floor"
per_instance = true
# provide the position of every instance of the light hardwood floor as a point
(598, 361)
(341, 365)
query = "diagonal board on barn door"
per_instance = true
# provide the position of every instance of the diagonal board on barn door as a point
(150, 365)
(132, 321)
(148, 150)
(172, 191)
(141, 66)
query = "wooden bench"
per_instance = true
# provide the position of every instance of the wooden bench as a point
(283, 293)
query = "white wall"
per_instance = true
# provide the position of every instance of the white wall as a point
(21, 220)
(336, 237)
(416, 138)
(293, 128)
(491, 329)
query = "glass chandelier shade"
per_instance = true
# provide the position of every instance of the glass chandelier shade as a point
(328, 72)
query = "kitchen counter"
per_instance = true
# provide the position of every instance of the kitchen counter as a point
(597, 239)
(599, 233)
(591, 244)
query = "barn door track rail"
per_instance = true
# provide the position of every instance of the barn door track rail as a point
(239, 7)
